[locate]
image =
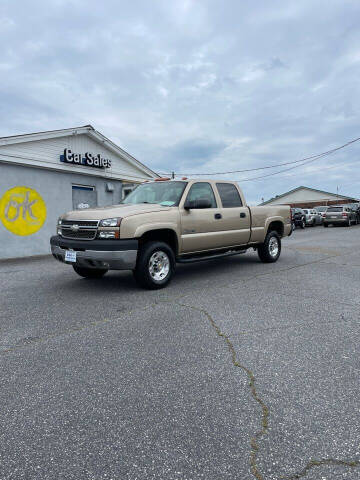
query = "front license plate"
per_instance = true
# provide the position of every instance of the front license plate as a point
(70, 256)
(334, 216)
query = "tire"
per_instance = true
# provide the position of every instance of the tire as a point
(270, 250)
(303, 224)
(89, 272)
(326, 225)
(147, 273)
(314, 223)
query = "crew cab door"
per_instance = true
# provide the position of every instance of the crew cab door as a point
(236, 221)
(201, 228)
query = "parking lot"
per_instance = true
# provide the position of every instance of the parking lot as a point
(237, 370)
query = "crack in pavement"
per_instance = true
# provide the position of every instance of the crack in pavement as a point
(254, 442)
(264, 408)
(319, 463)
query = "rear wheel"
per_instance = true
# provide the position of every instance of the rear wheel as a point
(325, 225)
(155, 265)
(270, 250)
(89, 272)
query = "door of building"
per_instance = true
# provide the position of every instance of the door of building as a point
(83, 196)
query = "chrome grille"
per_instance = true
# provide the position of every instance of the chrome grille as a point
(81, 229)
(81, 223)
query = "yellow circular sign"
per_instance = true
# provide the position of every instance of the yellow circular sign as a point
(22, 211)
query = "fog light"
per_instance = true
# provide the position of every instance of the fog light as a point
(108, 234)
(59, 231)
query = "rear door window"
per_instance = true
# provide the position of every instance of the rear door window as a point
(229, 195)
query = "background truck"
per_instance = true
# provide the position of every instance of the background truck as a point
(165, 222)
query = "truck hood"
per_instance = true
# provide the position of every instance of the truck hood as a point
(113, 211)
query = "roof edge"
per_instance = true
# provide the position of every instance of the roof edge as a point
(85, 129)
(306, 188)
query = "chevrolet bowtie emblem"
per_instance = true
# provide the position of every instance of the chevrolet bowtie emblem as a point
(75, 228)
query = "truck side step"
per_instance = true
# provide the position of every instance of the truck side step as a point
(203, 258)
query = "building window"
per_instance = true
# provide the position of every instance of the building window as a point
(126, 189)
(84, 196)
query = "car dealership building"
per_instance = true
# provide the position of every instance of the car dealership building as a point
(45, 174)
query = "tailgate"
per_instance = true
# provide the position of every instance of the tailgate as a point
(335, 213)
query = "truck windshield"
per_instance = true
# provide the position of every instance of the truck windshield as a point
(167, 193)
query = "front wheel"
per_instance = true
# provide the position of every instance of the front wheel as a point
(90, 272)
(270, 250)
(155, 265)
(303, 224)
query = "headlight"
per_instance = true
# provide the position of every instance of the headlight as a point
(110, 222)
(107, 234)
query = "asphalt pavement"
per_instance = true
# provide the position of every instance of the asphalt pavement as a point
(237, 370)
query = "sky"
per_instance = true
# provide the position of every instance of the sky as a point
(194, 86)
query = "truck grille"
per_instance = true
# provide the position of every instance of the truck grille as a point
(81, 229)
(81, 223)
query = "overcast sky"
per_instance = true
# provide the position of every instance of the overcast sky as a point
(193, 85)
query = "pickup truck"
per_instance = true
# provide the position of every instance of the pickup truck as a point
(164, 222)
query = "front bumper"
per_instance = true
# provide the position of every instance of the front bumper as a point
(109, 254)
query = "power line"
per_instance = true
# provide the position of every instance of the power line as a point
(313, 157)
(277, 173)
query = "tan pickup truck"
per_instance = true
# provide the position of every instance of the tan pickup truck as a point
(165, 222)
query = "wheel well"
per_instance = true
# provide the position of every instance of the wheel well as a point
(162, 235)
(276, 226)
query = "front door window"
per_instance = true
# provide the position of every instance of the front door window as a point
(202, 190)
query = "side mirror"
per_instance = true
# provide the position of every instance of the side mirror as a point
(197, 204)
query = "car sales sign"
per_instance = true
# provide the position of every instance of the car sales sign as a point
(87, 159)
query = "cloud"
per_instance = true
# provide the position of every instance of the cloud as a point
(194, 152)
(206, 85)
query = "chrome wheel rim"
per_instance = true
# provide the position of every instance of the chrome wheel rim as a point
(273, 246)
(159, 266)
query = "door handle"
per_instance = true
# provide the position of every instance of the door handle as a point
(242, 215)
(218, 216)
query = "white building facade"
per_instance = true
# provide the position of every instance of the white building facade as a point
(45, 174)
